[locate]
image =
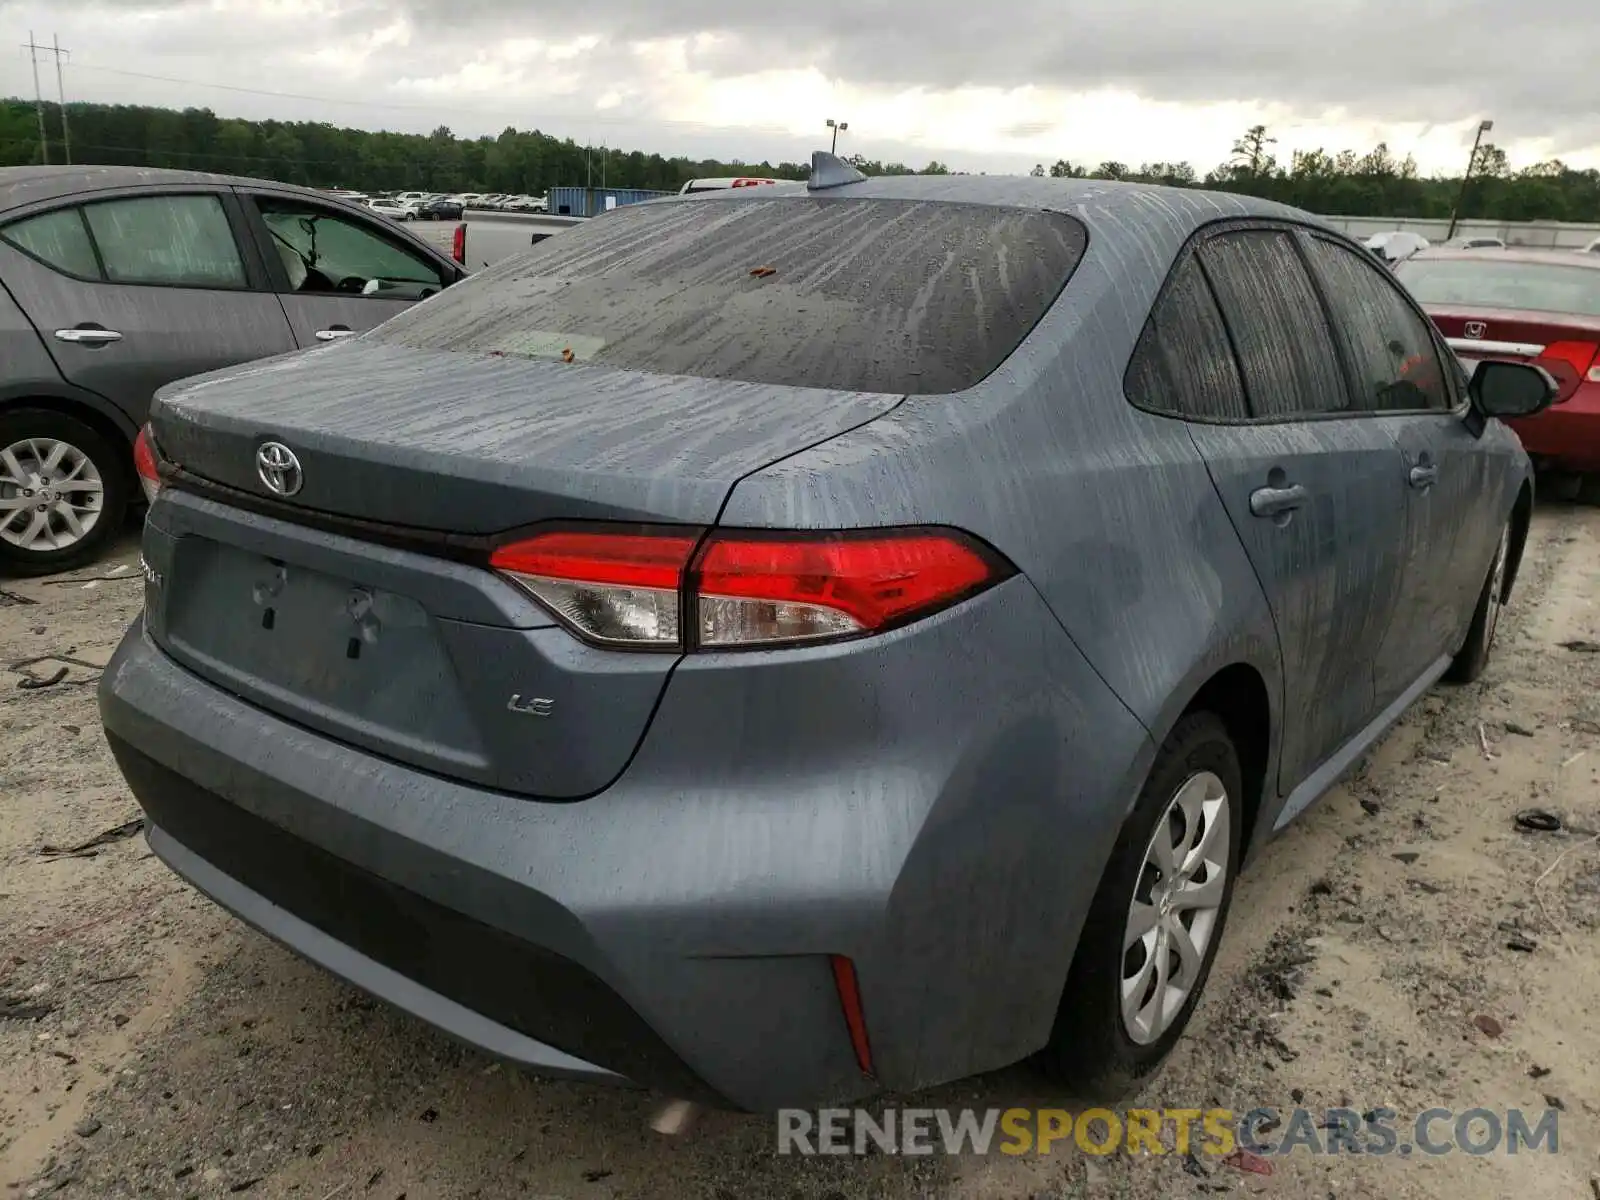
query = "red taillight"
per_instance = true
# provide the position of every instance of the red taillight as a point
(754, 589)
(458, 245)
(648, 589)
(855, 1020)
(1568, 363)
(144, 462)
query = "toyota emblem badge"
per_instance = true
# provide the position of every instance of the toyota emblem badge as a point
(279, 469)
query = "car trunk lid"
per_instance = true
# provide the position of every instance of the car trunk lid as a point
(476, 444)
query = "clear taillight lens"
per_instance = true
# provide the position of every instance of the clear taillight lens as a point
(613, 588)
(144, 462)
(635, 588)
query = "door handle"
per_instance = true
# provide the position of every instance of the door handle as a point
(1274, 501)
(88, 337)
(1423, 478)
(334, 333)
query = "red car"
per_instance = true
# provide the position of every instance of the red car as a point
(1539, 306)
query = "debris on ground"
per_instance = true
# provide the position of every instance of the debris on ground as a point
(90, 848)
(1537, 820)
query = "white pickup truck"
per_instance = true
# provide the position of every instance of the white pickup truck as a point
(486, 237)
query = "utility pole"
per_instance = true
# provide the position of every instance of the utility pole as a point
(38, 101)
(61, 95)
(1472, 161)
(33, 49)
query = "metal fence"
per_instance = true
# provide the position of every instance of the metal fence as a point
(1544, 234)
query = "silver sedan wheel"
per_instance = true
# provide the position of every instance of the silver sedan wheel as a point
(1497, 587)
(51, 495)
(1176, 903)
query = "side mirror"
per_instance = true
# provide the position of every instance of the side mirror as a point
(1510, 389)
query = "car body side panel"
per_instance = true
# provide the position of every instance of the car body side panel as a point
(1452, 529)
(1110, 511)
(168, 333)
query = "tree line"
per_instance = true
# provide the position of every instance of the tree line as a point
(320, 154)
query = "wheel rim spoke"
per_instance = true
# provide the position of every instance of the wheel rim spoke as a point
(1173, 915)
(51, 494)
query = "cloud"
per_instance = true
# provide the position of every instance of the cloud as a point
(980, 86)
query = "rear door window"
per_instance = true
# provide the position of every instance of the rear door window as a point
(1183, 364)
(183, 241)
(855, 294)
(1277, 324)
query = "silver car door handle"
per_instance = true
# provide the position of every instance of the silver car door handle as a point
(88, 337)
(333, 335)
(1424, 478)
(1271, 501)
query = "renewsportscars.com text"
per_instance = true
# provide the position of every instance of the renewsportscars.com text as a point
(1212, 1132)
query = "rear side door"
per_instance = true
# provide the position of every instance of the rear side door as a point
(1399, 375)
(1313, 488)
(134, 291)
(339, 273)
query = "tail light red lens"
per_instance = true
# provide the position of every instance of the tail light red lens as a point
(144, 462)
(729, 589)
(1568, 363)
(458, 245)
(754, 589)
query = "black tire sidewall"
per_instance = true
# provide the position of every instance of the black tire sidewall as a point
(1473, 658)
(1089, 1045)
(113, 461)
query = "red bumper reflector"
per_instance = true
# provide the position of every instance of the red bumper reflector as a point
(844, 978)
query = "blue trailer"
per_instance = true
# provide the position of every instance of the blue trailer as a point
(592, 201)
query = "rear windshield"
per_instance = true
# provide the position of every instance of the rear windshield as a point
(854, 294)
(1503, 283)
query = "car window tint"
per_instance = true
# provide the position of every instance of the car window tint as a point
(1183, 363)
(57, 238)
(323, 251)
(1391, 350)
(852, 293)
(180, 240)
(1276, 321)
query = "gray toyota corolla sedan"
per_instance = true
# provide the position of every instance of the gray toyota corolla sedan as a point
(776, 648)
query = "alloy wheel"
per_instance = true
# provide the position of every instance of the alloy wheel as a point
(1176, 904)
(51, 495)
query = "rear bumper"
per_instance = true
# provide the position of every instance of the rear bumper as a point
(1566, 435)
(674, 931)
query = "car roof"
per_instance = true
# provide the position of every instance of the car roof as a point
(22, 186)
(1558, 258)
(1107, 205)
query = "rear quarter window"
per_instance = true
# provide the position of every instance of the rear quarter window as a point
(867, 295)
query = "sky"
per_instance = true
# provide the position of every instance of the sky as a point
(978, 86)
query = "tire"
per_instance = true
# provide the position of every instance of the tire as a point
(29, 437)
(1093, 1046)
(1473, 657)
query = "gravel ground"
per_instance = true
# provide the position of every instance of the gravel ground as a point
(1404, 944)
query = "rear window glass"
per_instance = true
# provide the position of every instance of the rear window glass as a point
(1503, 283)
(854, 294)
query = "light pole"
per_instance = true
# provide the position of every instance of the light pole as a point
(1472, 161)
(838, 127)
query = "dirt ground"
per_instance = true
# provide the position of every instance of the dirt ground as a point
(1405, 944)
